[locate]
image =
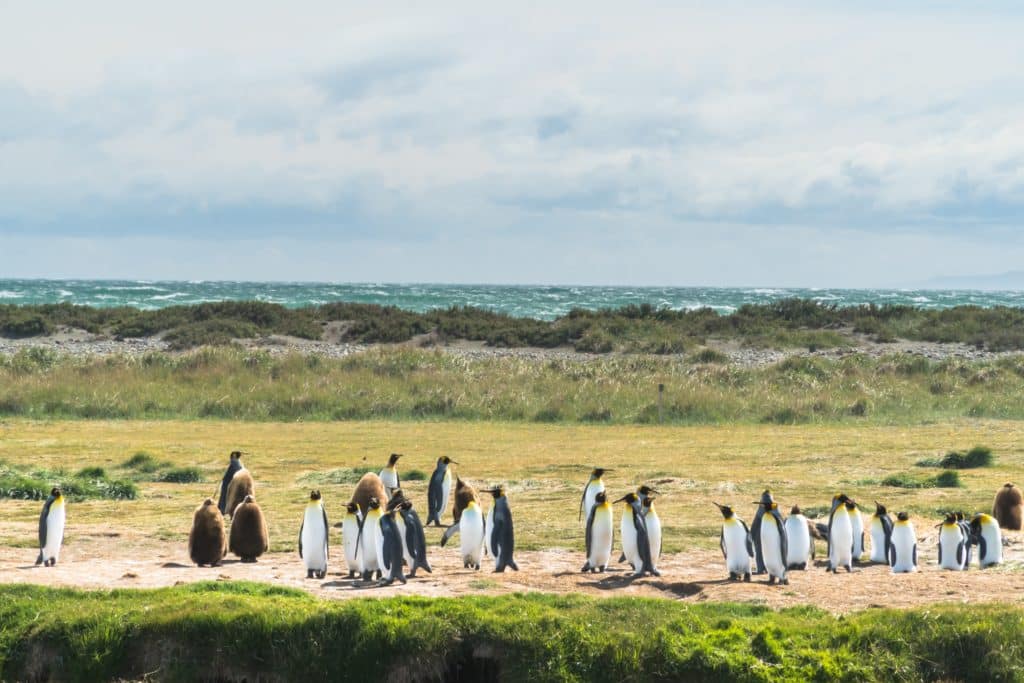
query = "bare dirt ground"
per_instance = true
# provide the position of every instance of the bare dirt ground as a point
(116, 558)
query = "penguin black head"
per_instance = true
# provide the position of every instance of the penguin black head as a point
(498, 491)
(851, 506)
(795, 510)
(960, 516)
(393, 460)
(646, 490)
(840, 499)
(55, 492)
(600, 498)
(374, 503)
(950, 519)
(235, 455)
(648, 502)
(598, 472)
(352, 508)
(879, 509)
(397, 500)
(903, 516)
(628, 499)
(314, 495)
(726, 510)
(766, 497)
(446, 460)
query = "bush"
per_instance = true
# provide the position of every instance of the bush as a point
(947, 480)
(141, 461)
(88, 483)
(181, 475)
(979, 456)
(709, 356)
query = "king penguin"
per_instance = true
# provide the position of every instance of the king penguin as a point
(391, 548)
(774, 544)
(881, 534)
(389, 475)
(438, 490)
(594, 486)
(207, 541)
(369, 543)
(800, 549)
(653, 522)
(840, 537)
(857, 529)
(952, 545)
(313, 537)
(1008, 507)
(903, 545)
(248, 537)
(51, 528)
(350, 538)
(989, 538)
(501, 540)
(755, 529)
(737, 548)
(472, 532)
(600, 530)
(234, 465)
(636, 543)
(415, 539)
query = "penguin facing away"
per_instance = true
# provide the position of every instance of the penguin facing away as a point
(248, 537)
(389, 475)
(207, 540)
(350, 538)
(594, 486)
(800, 548)
(755, 529)
(438, 490)
(391, 549)
(241, 485)
(774, 544)
(408, 545)
(737, 548)
(881, 534)
(500, 534)
(313, 537)
(903, 545)
(600, 530)
(635, 538)
(51, 528)
(989, 538)
(1008, 507)
(965, 529)
(952, 545)
(234, 465)
(472, 534)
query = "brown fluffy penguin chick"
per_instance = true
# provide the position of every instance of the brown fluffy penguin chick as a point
(207, 542)
(249, 531)
(1008, 507)
(369, 486)
(463, 494)
(241, 485)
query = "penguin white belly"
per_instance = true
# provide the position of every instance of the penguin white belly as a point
(368, 551)
(471, 533)
(841, 541)
(629, 545)
(771, 549)
(993, 545)
(54, 533)
(601, 539)
(857, 525)
(951, 547)
(799, 550)
(389, 477)
(349, 536)
(737, 559)
(314, 539)
(903, 549)
(446, 488)
(654, 536)
(489, 534)
(593, 488)
(378, 542)
(878, 541)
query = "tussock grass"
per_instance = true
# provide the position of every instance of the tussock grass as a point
(180, 475)
(947, 480)
(429, 385)
(26, 483)
(248, 629)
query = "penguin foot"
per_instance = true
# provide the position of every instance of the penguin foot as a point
(746, 577)
(602, 569)
(386, 582)
(412, 574)
(849, 569)
(498, 570)
(310, 573)
(655, 572)
(771, 580)
(351, 574)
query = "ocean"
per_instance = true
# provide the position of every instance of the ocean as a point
(536, 301)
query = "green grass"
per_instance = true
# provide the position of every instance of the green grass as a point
(340, 475)
(246, 629)
(944, 480)
(979, 456)
(415, 384)
(25, 483)
(180, 475)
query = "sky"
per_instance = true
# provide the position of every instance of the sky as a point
(660, 143)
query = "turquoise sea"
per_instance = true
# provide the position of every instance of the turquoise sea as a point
(537, 301)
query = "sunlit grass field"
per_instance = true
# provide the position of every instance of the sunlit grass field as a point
(543, 466)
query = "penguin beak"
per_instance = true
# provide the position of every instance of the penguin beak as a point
(619, 500)
(716, 505)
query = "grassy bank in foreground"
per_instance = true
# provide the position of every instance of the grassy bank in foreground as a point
(415, 384)
(249, 629)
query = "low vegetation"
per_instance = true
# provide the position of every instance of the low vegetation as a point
(34, 483)
(396, 383)
(943, 480)
(248, 629)
(635, 328)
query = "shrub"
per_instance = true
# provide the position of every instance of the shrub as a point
(979, 456)
(709, 356)
(141, 461)
(181, 475)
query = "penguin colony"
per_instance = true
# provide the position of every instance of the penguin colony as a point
(383, 536)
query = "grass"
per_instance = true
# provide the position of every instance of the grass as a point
(417, 384)
(634, 328)
(248, 629)
(543, 466)
(89, 483)
(979, 456)
(946, 480)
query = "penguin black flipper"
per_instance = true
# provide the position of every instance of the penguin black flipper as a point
(915, 554)
(42, 527)
(301, 527)
(887, 530)
(229, 473)
(783, 537)
(643, 540)
(982, 549)
(750, 541)
(960, 554)
(892, 555)
(327, 536)
(448, 533)
(940, 553)
(755, 535)
(415, 526)
(435, 490)
(590, 524)
(583, 499)
(721, 542)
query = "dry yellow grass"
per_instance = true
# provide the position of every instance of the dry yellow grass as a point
(544, 467)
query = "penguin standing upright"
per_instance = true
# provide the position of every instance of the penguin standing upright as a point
(51, 528)
(389, 475)
(1008, 507)
(369, 541)
(390, 548)
(903, 545)
(500, 534)
(800, 548)
(952, 545)
(234, 465)
(367, 488)
(242, 485)
(857, 529)
(755, 529)
(415, 539)
(594, 486)
(774, 544)
(313, 537)
(472, 533)
(635, 539)
(350, 538)
(989, 538)
(249, 537)
(653, 522)
(881, 534)
(600, 529)
(408, 548)
(438, 490)
(737, 548)
(840, 537)
(207, 541)
(464, 493)
(965, 529)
